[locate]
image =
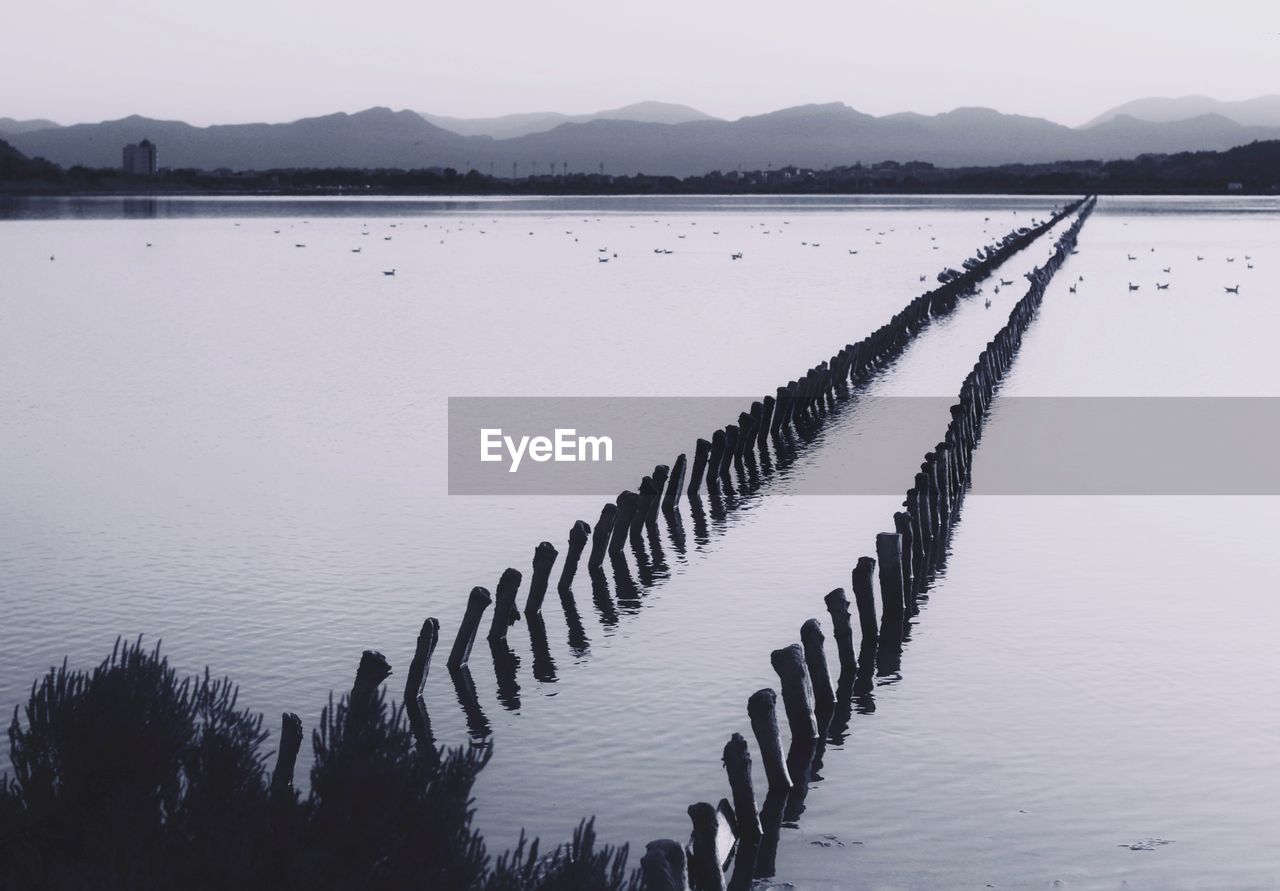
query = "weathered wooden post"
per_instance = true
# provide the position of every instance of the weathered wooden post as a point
(622, 521)
(771, 826)
(737, 764)
(661, 473)
(824, 697)
(842, 631)
(414, 705)
(889, 556)
(663, 866)
(705, 873)
(646, 497)
(505, 613)
(763, 712)
(578, 536)
(286, 756)
(715, 458)
(477, 603)
(600, 536)
(544, 557)
(797, 690)
(865, 598)
(675, 485)
(902, 522)
(701, 458)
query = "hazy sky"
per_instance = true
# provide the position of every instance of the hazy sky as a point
(276, 60)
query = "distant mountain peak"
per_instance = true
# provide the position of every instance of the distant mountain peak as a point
(1261, 111)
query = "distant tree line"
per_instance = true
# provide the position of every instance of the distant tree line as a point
(1249, 169)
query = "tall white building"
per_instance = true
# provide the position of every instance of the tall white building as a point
(140, 158)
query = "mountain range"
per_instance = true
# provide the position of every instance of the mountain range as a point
(511, 125)
(653, 138)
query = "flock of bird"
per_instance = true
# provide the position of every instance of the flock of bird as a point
(604, 255)
(1164, 286)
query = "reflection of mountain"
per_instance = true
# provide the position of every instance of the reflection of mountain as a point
(817, 136)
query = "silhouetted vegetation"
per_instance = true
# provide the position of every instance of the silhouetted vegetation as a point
(131, 777)
(1247, 169)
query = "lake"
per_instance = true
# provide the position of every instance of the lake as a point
(222, 426)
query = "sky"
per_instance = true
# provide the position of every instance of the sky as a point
(278, 60)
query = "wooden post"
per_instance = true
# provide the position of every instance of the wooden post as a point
(763, 712)
(477, 603)
(889, 555)
(578, 536)
(675, 485)
(705, 873)
(737, 763)
(842, 631)
(661, 473)
(811, 637)
(715, 458)
(544, 557)
(286, 755)
(766, 420)
(372, 671)
(622, 521)
(701, 457)
(663, 866)
(864, 596)
(646, 498)
(600, 537)
(797, 690)
(902, 522)
(504, 604)
(414, 705)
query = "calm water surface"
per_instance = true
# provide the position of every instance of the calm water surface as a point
(236, 445)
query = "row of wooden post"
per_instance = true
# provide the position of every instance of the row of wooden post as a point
(907, 559)
(800, 406)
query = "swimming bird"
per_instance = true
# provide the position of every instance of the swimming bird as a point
(602, 259)
(988, 303)
(1231, 259)
(1235, 290)
(1005, 282)
(603, 250)
(852, 251)
(1160, 287)
(737, 256)
(1198, 257)
(388, 272)
(1131, 256)
(299, 245)
(922, 278)
(148, 244)
(1071, 288)
(1132, 286)
(355, 250)
(1168, 269)
(386, 238)
(1247, 257)
(1247, 265)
